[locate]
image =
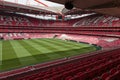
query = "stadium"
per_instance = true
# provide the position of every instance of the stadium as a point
(59, 40)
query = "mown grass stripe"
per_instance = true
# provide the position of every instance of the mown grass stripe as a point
(33, 49)
(52, 46)
(19, 49)
(42, 49)
(49, 47)
(22, 52)
(67, 42)
(73, 43)
(62, 45)
(67, 50)
(8, 51)
(70, 46)
(60, 41)
(43, 57)
(73, 49)
(10, 59)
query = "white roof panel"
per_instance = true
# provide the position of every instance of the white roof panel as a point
(51, 6)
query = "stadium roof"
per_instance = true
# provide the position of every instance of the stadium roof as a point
(110, 7)
(38, 5)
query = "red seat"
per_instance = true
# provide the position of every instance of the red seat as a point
(112, 71)
(104, 75)
(118, 67)
(97, 78)
(68, 78)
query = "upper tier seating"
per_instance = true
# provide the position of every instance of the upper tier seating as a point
(10, 19)
(93, 20)
(98, 20)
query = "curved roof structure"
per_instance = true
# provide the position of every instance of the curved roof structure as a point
(110, 7)
(31, 6)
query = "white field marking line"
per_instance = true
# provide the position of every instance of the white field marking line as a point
(1, 53)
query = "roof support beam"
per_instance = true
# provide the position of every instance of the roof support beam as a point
(41, 3)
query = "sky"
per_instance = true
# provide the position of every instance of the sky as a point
(32, 2)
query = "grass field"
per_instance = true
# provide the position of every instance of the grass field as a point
(20, 53)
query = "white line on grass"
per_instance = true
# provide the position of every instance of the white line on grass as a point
(0, 52)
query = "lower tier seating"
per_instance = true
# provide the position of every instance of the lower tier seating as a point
(104, 42)
(8, 36)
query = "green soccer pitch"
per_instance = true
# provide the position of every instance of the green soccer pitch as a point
(20, 53)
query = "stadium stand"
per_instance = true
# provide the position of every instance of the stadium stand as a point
(17, 20)
(105, 42)
(98, 20)
(98, 29)
(18, 36)
(30, 25)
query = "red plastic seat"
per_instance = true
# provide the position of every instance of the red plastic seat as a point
(112, 71)
(97, 78)
(68, 78)
(104, 75)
